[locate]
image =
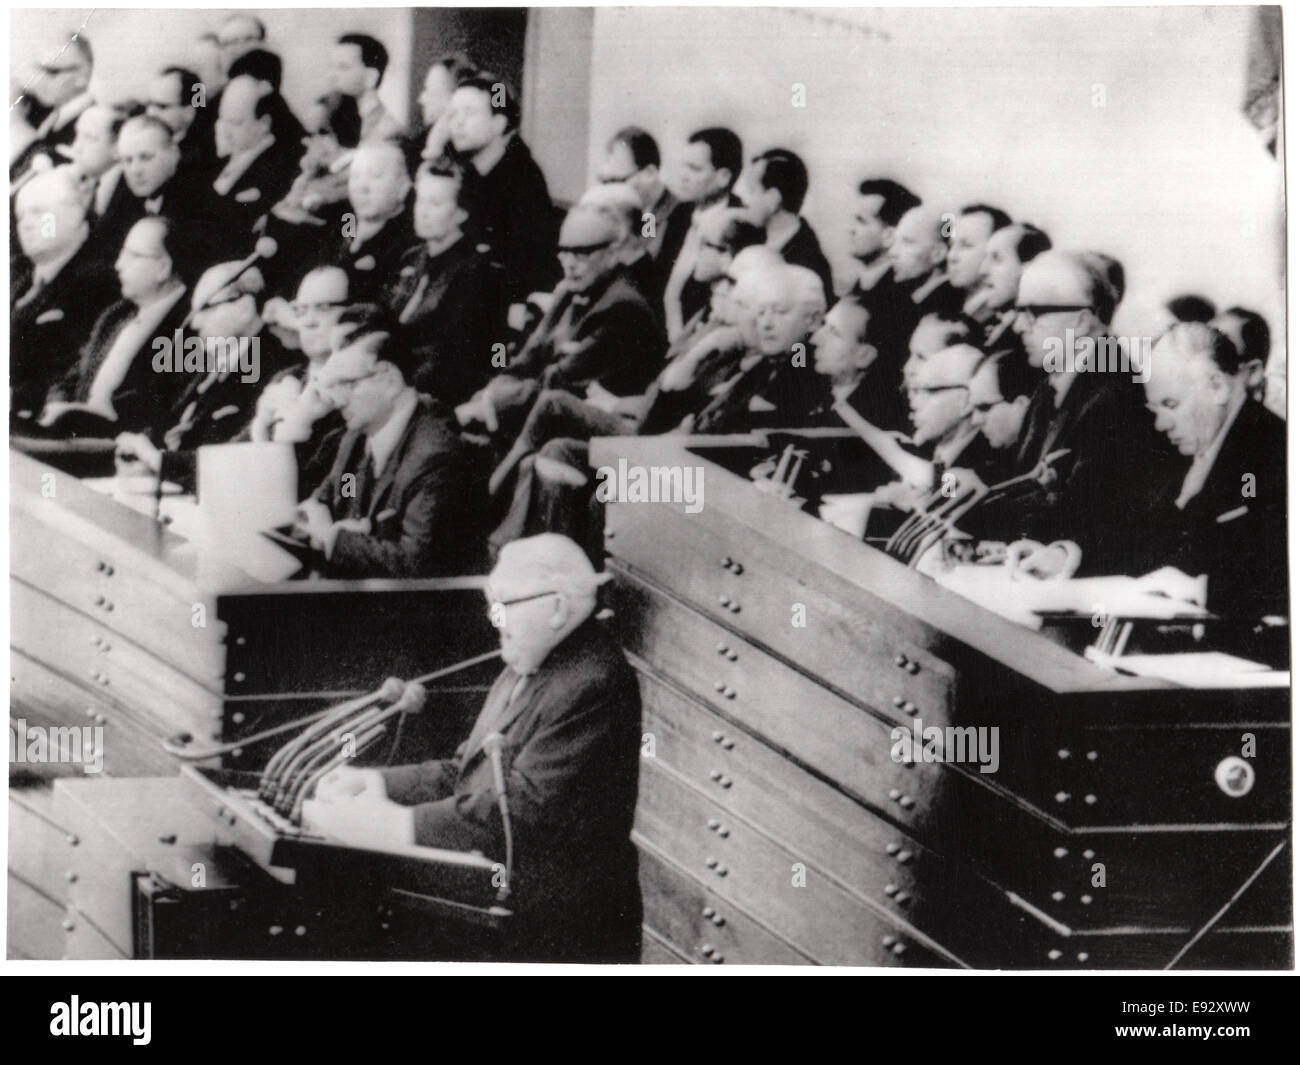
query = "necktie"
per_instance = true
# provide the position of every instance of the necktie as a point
(37, 285)
(153, 206)
(414, 302)
(365, 485)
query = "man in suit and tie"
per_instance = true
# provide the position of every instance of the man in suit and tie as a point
(515, 216)
(968, 237)
(257, 169)
(565, 712)
(447, 291)
(991, 301)
(357, 69)
(845, 356)
(403, 498)
(61, 87)
(1228, 519)
(179, 98)
(93, 156)
(152, 185)
(113, 387)
(772, 189)
(381, 229)
(66, 289)
(600, 340)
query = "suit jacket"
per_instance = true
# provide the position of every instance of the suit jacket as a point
(259, 188)
(571, 754)
(50, 140)
(46, 334)
(1097, 494)
(620, 338)
(207, 231)
(450, 326)
(516, 219)
(144, 399)
(374, 265)
(1234, 529)
(877, 400)
(424, 506)
(803, 249)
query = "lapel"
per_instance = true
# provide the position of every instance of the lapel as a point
(386, 477)
(502, 722)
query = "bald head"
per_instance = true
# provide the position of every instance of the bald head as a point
(938, 392)
(918, 246)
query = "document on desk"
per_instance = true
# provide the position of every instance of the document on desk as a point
(1203, 669)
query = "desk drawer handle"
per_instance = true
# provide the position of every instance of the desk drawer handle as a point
(712, 915)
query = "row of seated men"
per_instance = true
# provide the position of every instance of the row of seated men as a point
(714, 314)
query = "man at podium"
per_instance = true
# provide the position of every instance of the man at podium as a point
(565, 717)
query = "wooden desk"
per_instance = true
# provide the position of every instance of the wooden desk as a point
(116, 622)
(777, 655)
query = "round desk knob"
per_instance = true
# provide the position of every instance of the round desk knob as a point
(737, 569)
(718, 920)
(722, 870)
(913, 668)
(301, 930)
(895, 794)
(70, 877)
(109, 606)
(1091, 800)
(707, 950)
(899, 947)
(711, 862)
(237, 718)
(1091, 756)
(725, 782)
(892, 848)
(239, 678)
(1058, 896)
(904, 857)
(716, 775)
(734, 608)
(99, 718)
(899, 702)
(708, 913)
(1060, 852)
(722, 648)
(713, 824)
(1063, 754)
(1054, 954)
(726, 562)
(907, 802)
(729, 693)
(167, 838)
(719, 686)
(900, 661)
(732, 656)
(1086, 899)
(68, 924)
(724, 600)
(902, 898)
(1062, 796)
(275, 930)
(1089, 854)
(888, 941)
(728, 743)
(891, 890)
(99, 600)
(724, 832)
(108, 571)
(717, 736)
(100, 566)
(1082, 955)
(717, 959)
(72, 839)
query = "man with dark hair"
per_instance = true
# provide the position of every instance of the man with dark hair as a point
(61, 88)
(516, 219)
(632, 158)
(712, 162)
(991, 302)
(446, 291)
(152, 185)
(430, 142)
(267, 69)
(258, 170)
(969, 236)
(178, 98)
(403, 498)
(844, 355)
(93, 155)
(356, 70)
(772, 190)
(1249, 334)
(881, 204)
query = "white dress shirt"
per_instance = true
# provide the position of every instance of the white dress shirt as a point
(133, 335)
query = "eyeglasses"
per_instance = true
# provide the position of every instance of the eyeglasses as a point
(497, 607)
(221, 303)
(584, 250)
(1037, 310)
(301, 310)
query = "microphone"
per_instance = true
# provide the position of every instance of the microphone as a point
(492, 745)
(265, 248)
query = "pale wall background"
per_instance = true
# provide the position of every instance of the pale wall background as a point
(993, 105)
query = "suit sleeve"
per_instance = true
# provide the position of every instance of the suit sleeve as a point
(621, 347)
(546, 779)
(433, 514)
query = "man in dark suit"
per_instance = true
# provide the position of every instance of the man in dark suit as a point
(178, 98)
(772, 189)
(991, 301)
(516, 219)
(1115, 461)
(566, 714)
(1228, 520)
(600, 340)
(968, 237)
(403, 498)
(446, 291)
(56, 303)
(152, 185)
(846, 358)
(378, 230)
(918, 255)
(61, 88)
(114, 387)
(256, 168)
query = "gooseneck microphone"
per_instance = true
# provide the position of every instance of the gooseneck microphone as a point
(492, 745)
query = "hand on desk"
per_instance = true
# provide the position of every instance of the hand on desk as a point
(349, 782)
(362, 820)
(136, 456)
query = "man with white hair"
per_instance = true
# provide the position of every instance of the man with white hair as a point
(565, 714)
(623, 205)
(55, 303)
(1228, 519)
